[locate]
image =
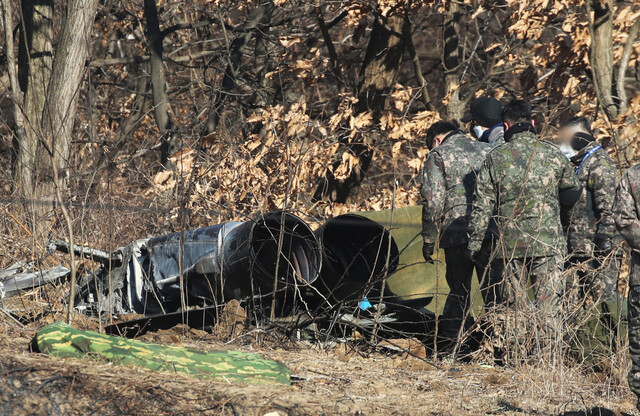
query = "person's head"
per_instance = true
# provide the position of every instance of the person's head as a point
(517, 111)
(571, 126)
(438, 131)
(484, 113)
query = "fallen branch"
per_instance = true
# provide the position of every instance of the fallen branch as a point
(96, 63)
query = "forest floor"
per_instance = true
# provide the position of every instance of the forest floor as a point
(328, 380)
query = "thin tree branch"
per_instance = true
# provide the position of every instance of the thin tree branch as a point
(417, 68)
(344, 13)
(193, 25)
(96, 63)
(333, 56)
(257, 19)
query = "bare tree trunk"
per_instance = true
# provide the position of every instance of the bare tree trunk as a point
(35, 64)
(16, 93)
(624, 63)
(262, 66)
(380, 67)
(51, 86)
(381, 63)
(158, 78)
(68, 72)
(451, 62)
(601, 54)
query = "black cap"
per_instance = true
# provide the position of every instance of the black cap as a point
(486, 111)
(580, 140)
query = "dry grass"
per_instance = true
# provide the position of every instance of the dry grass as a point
(340, 379)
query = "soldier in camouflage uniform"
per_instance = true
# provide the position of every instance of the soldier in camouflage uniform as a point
(448, 181)
(526, 181)
(626, 212)
(591, 228)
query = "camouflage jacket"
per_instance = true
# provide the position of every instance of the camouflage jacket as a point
(521, 180)
(592, 213)
(626, 213)
(448, 181)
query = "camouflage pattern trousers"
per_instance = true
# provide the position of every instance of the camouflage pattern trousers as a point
(543, 277)
(634, 339)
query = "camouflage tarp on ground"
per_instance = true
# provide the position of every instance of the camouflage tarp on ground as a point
(61, 340)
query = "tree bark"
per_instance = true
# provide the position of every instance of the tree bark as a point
(16, 93)
(624, 63)
(380, 66)
(381, 63)
(71, 55)
(262, 65)
(35, 64)
(158, 78)
(601, 54)
(451, 62)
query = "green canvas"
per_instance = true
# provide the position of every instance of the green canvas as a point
(61, 340)
(414, 277)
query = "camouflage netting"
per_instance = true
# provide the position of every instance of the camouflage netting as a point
(61, 340)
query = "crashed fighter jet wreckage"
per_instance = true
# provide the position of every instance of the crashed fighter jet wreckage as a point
(355, 250)
(240, 260)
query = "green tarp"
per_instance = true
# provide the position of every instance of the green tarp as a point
(61, 340)
(414, 277)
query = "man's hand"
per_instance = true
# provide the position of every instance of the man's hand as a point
(427, 251)
(603, 244)
(473, 256)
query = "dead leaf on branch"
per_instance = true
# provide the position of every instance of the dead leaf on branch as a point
(347, 165)
(164, 181)
(362, 120)
(183, 160)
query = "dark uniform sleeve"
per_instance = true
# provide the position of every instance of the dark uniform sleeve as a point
(625, 214)
(602, 180)
(569, 188)
(433, 192)
(568, 180)
(484, 199)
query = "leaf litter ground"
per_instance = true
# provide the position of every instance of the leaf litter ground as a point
(329, 380)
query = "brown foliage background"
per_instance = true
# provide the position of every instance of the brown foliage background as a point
(292, 105)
